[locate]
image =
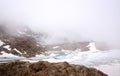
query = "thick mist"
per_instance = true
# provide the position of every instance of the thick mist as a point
(67, 20)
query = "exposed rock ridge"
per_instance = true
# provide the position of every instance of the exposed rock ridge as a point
(43, 68)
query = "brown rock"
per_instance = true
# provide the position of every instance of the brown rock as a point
(43, 68)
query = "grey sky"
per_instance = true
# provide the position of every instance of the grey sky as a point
(97, 20)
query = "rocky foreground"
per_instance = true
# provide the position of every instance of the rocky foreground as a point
(43, 68)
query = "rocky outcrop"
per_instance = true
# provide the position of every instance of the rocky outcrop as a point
(20, 41)
(69, 46)
(43, 68)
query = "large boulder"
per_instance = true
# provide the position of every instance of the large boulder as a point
(43, 68)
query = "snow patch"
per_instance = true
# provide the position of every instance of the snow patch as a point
(21, 32)
(25, 52)
(78, 49)
(7, 47)
(17, 51)
(1, 43)
(92, 47)
(4, 54)
(55, 47)
(37, 45)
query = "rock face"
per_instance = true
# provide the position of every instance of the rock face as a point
(19, 41)
(43, 68)
(69, 46)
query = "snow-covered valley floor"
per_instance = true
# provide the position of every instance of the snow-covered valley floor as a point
(112, 69)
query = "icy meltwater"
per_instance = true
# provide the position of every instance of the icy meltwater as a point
(88, 58)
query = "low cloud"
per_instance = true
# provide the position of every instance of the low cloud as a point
(67, 20)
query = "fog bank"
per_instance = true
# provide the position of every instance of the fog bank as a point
(67, 20)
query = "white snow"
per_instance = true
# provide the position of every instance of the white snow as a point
(85, 58)
(20, 32)
(4, 54)
(25, 52)
(7, 47)
(55, 47)
(92, 47)
(1, 43)
(110, 69)
(37, 45)
(17, 51)
(92, 57)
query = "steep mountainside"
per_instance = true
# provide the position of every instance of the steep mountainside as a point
(19, 41)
